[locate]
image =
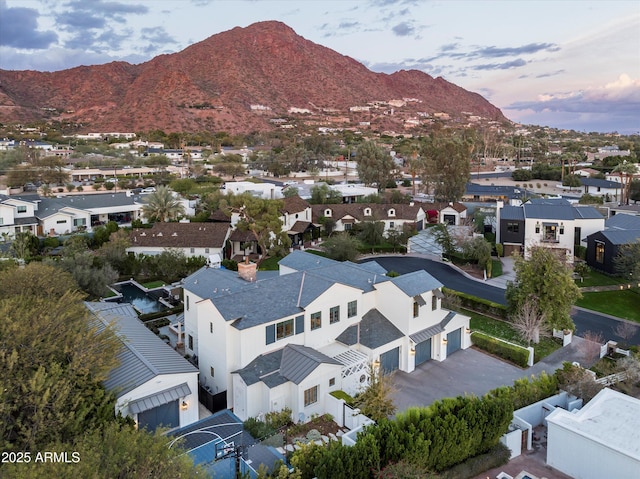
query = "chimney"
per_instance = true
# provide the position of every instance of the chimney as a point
(247, 270)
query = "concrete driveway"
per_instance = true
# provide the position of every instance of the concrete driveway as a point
(470, 371)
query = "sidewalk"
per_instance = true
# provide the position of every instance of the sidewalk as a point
(507, 274)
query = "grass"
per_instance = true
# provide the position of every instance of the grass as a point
(270, 264)
(496, 268)
(153, 284)
(595, 278)
(623, 304)
(503, 330)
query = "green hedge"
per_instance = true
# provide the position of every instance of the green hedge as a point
(343, 395)
(512, 353)
(497, 456)
(479, 305)
(382, 249)
(160, 314)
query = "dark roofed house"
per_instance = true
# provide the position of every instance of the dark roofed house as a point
(394, 216)
(193, 239)
(603, 246)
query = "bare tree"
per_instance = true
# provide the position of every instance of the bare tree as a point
(625, 330)
(590, 347)
(530, 322)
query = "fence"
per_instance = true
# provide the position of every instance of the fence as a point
(613, 379)
(611, 348)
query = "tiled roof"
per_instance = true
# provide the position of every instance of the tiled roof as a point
(378, 211)
(181, 235)
(415, 283)
(294, 204)
(373, 331)
(144, 355)
(239, 235)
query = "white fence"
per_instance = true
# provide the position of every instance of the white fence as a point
(612, 347)
(344, 415)
(612, 379)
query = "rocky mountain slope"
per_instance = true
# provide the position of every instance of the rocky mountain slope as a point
(246, 79)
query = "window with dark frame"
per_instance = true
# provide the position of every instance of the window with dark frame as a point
(599, 252)
(311, 396)
(316, 320)
(334, 314)
(352, 309)
(284, 329)
(513, 227)
(416, 309)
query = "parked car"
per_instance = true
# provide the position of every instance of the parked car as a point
(151, 189)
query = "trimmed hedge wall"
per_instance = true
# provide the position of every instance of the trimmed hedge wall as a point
(514, 354)
(160, 314)
(479, 305)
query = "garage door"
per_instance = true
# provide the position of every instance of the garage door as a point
(454, 341)
(423, 351)
(166, 415)
(390, 361)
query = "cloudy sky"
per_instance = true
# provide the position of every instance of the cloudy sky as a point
(566, 64)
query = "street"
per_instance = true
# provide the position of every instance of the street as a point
(585, 320)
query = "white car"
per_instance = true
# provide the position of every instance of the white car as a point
(151, 189)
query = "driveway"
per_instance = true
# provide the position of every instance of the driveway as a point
(471, 371)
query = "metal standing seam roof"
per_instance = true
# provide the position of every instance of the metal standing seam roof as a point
(620, 237)
(144, 355)
(623, 222)
(514, 213)
(373, 331)
(160, 398)
(431, 331)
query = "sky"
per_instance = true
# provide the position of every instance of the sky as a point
(565, 64)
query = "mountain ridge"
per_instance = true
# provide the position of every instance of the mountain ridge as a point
(212, 85)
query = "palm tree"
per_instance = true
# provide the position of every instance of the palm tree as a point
(163, 205)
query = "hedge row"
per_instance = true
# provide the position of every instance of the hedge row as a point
(160, 314)
(383, 249)
(479, 305)
(510, 352)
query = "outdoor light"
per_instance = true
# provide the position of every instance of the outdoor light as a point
(467, 330)
(412, 351)
(444, 340)
(376, 363)
(184, 405)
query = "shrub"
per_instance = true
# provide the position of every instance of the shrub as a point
(497, 456)
(230, 264)
(521, 175)
(500, 249)
(509, 352)
(479, 305)
(581, 251)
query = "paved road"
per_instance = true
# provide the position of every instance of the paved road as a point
(585, 320)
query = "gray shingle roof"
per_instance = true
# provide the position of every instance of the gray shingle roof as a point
(144, 355)
(350, 274)
(372, 266)
(373, 331)
(598, 182)
(85, 202)
(292, 363)
(301, 261)
(415, 283)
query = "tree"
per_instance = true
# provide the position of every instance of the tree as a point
(443, 238)
(374, 165)
(376, 401)
(162, 205)
(262, 217)
(627, 261)
(545, 277)
(530, 322)
(371, 232)
(447, 166)
(479, 249)
(323, 195)
(25, 245)
(50, 382)
(342, 247)
(626, 171)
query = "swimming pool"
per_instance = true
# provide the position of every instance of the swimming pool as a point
(143, 301)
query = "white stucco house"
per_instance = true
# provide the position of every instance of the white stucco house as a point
(550, 223)
(267, 191)
(17, 216)
(290, 339)
(600, 440)
(193, 239)
(153, 384)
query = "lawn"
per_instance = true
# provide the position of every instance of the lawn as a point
(595, 278)
(153, 284)
(496, 268)
(503, 330)
(270, 264)
(623, 304)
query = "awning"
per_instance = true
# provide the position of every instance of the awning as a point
(158, 399)
(419, 299)
(438, 294)
(425, 334)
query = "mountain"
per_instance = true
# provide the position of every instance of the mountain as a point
(242, 80)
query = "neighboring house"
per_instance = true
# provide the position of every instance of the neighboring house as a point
(266, 191)
(394, 216)
(551, 223)
(153, 384)
(296, 218)
(484, 193)
(451, 213)
(17, 216)
(625, 209)
(600, 440)
(603, 246)
(597, 187)
(289, 340)
(193, 239)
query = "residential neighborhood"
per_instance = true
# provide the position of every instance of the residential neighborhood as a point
(228, 308)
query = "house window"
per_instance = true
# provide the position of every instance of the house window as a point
(391, 224)
(347, 226)
(327, 213)
(187, 298)
(212, 371)
(206, 250)
(22, 209)
(311, 396)
(599, 252)
(392, 212)
(513, 227)
(61, 222)
(334, 314)
(332, 382)
(577, 235)
(352, 309)
(284, 329)
(77, 222)
(316, 320)
(191, 342)
(192, 250)
(561, 229)
(416, 309)
(434, 302)
(1, 221)
(210, 327)
(550, 233)
(367, 211)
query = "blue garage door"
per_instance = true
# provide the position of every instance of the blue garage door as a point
(423, 351)
(454, 341)
(166, 415)
(390, 361)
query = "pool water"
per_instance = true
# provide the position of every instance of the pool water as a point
(142, 301)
